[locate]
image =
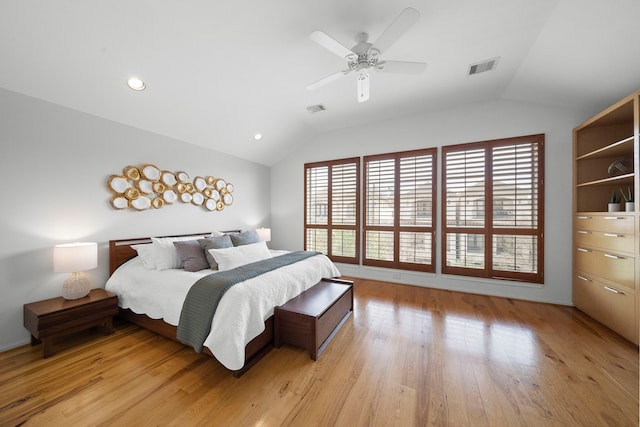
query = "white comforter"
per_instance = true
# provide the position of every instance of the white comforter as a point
(242, 310)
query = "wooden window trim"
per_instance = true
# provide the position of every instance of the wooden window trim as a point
(488, 231)
(397, 228)
(330, 226)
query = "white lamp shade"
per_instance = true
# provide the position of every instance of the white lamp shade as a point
(75, 257)
(264, 233)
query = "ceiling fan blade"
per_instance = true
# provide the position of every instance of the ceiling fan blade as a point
(398, 27)
(330, 78)
(363, 86)
(331, 44)
(403, 67)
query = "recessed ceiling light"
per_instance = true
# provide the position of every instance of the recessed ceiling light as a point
(136, 84)
(257, 136)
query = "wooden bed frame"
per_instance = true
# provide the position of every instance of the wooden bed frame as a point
(120, 251)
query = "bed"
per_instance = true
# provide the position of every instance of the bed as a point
(153, 299)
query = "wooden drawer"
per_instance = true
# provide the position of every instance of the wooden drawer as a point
(606, 265)
(54, 322)
(614, 222)
(613, 307)
(48, 319)
(605, 240)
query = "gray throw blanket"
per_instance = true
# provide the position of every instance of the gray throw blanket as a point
(203, 297)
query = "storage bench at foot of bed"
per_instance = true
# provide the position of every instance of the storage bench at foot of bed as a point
(311, 319)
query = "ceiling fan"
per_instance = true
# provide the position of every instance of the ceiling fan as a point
(365, 56)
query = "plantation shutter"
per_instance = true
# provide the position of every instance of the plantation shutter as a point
(332, 209)
(464, 198)
(317, 209)
(515, 207)
(399, 210)
(493, 209)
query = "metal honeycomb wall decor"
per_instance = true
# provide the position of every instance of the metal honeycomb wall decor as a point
(141, 188)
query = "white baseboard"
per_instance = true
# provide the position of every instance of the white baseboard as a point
(491, 287)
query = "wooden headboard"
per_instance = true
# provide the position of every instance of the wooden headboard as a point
(120, 251)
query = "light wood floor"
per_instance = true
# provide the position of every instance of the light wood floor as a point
(408, 356)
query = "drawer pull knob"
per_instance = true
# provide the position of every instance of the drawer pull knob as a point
(584, 217)
(613, 217)
(583, 232)
(584, 278)
(615, 291)
(613, 256)
(612, 235)
(583, 250)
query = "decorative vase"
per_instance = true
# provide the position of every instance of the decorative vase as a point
(614, 207)
(629, 206)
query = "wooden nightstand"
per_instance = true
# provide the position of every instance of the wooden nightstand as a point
(54, 317)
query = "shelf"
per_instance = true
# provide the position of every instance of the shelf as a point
(622, 112)
(598, 144)
(620, 148)
(619, 215)
(620, 179)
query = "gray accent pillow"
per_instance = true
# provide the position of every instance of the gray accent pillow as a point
(214, 243)
(245, 238)
(191, 254)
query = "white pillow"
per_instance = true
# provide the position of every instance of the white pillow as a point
(229, 258)
(166, 254)
(147, 255)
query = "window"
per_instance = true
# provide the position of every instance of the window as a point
(493, 209)
(332, 209)
(399, 210)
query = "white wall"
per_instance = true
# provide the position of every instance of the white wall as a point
(474, 122)
(54, 164)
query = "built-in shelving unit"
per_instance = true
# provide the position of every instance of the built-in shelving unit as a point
(606, 260)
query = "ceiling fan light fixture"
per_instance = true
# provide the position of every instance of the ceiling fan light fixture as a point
(363, 86)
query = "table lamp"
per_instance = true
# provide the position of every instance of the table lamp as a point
(264, 233)
(74, 258)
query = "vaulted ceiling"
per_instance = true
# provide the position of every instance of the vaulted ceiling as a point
(219, 72)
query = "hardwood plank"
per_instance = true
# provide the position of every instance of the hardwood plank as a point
(408, 356)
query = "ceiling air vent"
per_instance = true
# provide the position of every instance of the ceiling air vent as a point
(481, 67)
(315, 108)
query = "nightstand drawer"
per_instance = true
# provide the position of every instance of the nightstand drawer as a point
(79, 314)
